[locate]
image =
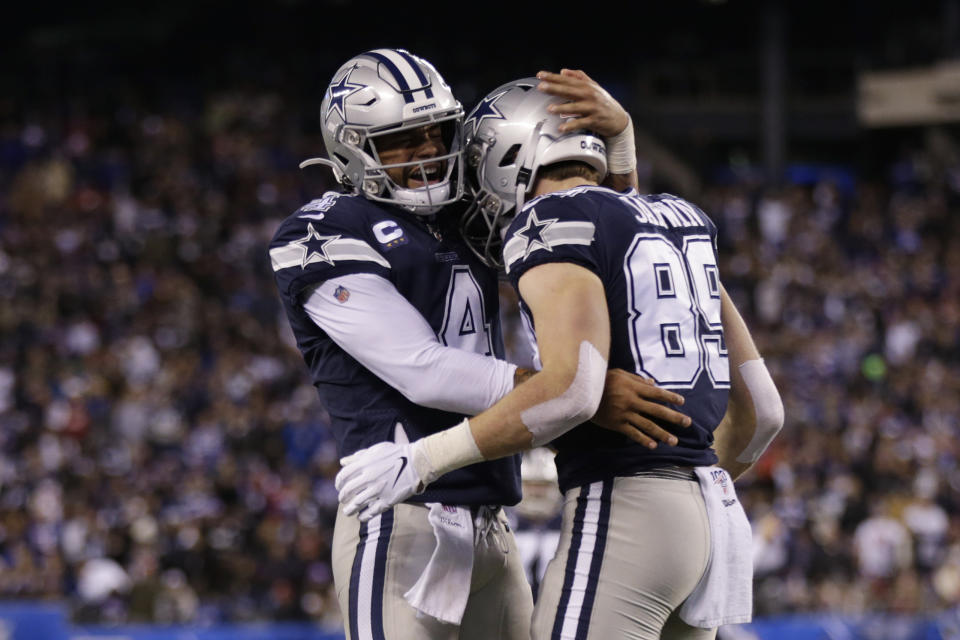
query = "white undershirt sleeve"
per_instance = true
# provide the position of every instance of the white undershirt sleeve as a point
(386, 334)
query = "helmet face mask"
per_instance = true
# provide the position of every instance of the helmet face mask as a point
(399, 161)
(384, 93)
(509, 136)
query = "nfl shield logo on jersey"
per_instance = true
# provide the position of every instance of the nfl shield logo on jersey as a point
(342, 294)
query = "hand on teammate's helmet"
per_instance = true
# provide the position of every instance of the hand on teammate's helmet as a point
(588, 105)
(374, 479)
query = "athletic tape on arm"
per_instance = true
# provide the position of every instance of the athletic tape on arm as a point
(445, 451)
(577, 404)
(622, 151)
(768, 407)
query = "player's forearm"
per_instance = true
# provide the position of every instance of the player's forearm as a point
(501, 431)
(401, 349)
(754, 410)
(549, 404)
(458, 381)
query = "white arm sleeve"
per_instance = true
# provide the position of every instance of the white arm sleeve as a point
(769, 409)
(386, 334)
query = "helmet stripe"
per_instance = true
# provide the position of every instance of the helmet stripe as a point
(405, 72)
(416, 67)
(395, 72)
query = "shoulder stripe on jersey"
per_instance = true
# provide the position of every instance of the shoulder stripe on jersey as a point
(367, 578)
(404, 70)
(329, 249)
(584, 560)
(552, 233)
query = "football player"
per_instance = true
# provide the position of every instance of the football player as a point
(398, 323)
(654, 542)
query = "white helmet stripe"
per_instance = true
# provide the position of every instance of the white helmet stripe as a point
(405, 69)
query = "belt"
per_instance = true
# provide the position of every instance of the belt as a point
(671, 472)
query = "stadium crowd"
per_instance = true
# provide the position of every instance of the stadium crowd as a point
(163, 457)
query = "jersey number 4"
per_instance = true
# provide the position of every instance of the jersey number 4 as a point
(464, 318)
(669, 292)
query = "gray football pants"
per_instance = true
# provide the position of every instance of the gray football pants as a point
(375, 563)
(631, 551)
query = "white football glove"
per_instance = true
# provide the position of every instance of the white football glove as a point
(374, 479)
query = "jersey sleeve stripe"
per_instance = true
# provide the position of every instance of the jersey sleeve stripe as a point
(295, 254)
(558, 233)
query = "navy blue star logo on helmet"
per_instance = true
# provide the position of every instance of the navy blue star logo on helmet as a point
(314, 246)
(533, 233)
(340, 91)
(486, 109)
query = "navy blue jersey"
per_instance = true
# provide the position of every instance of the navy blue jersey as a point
(342, 234)
(656, 257)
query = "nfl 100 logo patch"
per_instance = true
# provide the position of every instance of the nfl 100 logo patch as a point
(342, 294)
(722, 480)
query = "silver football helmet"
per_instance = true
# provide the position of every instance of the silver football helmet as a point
(384, 92)
(508, 137)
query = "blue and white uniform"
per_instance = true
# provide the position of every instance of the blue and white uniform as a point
(355, 278)
(634, 527)
(657, 260)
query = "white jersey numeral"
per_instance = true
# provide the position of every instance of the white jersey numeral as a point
(464, 318)
(669, 290)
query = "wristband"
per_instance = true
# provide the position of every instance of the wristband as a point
(445, 451)
(622, 151)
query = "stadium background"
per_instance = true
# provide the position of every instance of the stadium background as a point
(163, 460)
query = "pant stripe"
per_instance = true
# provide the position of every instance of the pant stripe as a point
(380, 573)
(367, 579)
(583, 562)
(355, 580)
(603, 520)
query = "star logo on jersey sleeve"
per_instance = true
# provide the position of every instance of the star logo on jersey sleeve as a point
(486, 109)
(314, 247)
(533, 232)
(340, 91)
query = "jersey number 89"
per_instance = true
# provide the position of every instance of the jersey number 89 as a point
(674, 300)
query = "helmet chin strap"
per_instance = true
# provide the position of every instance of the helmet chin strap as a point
(421, 200)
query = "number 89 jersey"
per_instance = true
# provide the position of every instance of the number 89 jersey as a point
(657, 260)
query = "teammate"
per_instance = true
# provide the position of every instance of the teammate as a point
(397, 322)
(654, 542)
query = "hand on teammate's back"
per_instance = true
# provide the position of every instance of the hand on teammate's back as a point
(632, 405)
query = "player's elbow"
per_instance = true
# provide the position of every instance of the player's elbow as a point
(770, 414)
(586, 393)
(582, 390)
